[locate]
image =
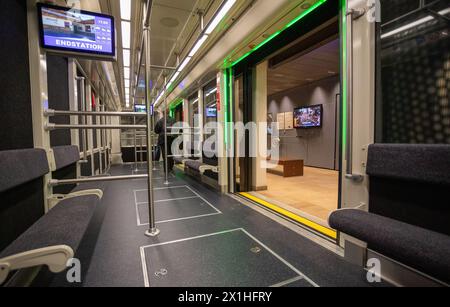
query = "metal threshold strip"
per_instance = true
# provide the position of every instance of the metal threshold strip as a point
(328, 232)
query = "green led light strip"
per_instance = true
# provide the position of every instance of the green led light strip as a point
(173, 105)
(291, 23)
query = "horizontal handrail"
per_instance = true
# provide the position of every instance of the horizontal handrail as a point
(57, 182)
(50, 113)
(51, 127)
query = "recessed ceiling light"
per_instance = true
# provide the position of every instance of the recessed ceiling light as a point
(185, 62)
(125, 9)
(198, 45)
(126, 57)
(220, 15)
(126, 34)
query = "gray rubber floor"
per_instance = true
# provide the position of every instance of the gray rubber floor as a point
(207, 240)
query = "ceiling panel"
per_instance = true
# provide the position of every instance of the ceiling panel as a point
(167, 22)
(175, 26)
(318, 64)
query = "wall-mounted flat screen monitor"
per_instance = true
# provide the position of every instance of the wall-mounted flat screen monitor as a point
(140, 108)
(211, 112)
(76, 32)
(308, 117)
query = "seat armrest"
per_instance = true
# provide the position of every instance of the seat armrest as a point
(57, 198)
(55, 257)
(206, 167)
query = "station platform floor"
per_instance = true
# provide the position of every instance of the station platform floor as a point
(207, 240)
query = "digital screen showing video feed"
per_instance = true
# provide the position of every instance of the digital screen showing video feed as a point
(308, 117)
(211, 112)
(77, 31)
(139, 108)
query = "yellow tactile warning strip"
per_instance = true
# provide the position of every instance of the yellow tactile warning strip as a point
(308, 223)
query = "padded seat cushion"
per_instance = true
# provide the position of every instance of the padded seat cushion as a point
(195, 165)
(419, 248)
(65, 156)
(21, 166)
(63, 225)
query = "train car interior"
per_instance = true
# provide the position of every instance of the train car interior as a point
(225, 144)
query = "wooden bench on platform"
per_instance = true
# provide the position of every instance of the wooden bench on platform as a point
(288, 168)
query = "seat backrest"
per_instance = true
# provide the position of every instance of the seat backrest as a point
(411, 183)
(21, 191)
(66, 158)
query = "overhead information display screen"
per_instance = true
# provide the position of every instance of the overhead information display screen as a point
(64, 29)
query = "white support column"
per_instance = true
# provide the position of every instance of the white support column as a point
(221, 121)
(201, 112)
(39, 92)
(186, 138)
(260, 116)
(116, 151)
(73, 101)
(360, 48)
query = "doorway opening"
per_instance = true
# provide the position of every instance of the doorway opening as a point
(303, 100)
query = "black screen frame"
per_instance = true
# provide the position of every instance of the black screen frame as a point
(71, 51)
(309, 107)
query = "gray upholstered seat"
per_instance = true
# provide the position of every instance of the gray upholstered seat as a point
(423, 163)
(194, 165)
(408, 205)
(65, 156)
(18, 167)
(42, 239)
(63, 225)
(422, 249)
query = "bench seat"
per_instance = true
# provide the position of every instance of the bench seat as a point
(194, 165)
(419, 248)
(65, 224)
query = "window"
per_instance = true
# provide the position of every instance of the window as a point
(413, 72)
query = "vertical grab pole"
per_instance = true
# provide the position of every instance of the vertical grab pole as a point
(155, 148)
(152, 231)
(166, 156)
(135, 147)
(83, 118)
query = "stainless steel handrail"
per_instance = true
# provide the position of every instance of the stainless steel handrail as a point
(83, 119)
(51, 127)
(51, 113)
(57, 182)
(352, 15)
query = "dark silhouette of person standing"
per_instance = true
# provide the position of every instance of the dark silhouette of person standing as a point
(161, 131)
